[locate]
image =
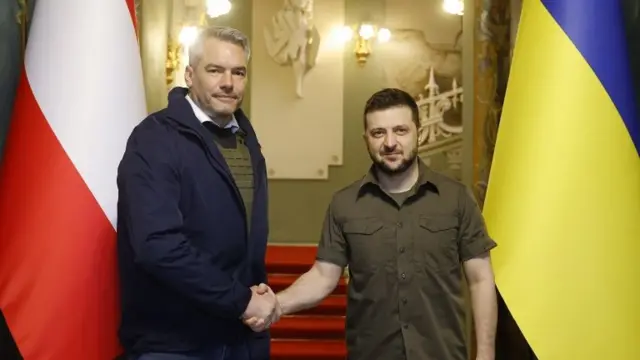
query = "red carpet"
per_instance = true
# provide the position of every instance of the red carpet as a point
(315, 334)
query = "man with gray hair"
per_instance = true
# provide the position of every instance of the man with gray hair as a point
(192, 218)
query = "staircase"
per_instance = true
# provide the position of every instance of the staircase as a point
(314, 334)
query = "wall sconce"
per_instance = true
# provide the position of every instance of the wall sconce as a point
(365, 33)
(455, 7)
(172, 62)
(177, 51)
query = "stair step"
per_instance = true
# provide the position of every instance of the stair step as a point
(279, 282)
(313, 334)
(309, 327)
(308, 350)
(290, 259)
(333, 305)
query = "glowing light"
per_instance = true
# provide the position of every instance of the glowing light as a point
(455, 7)
(384, 35)
(188, 35)
(217, 8)
(344, 34)
(367, 31)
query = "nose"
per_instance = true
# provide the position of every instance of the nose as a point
(390, 141)
(226, 82)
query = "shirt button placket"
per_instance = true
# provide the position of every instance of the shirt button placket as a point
(403, 283)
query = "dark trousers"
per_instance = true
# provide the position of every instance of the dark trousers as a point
(237, 352)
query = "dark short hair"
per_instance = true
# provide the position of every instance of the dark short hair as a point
(389, 98)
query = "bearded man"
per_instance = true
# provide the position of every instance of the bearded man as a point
(408, 236)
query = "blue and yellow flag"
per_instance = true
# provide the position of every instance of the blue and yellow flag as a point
(564, 192)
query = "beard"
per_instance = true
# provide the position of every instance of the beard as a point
(384, 168)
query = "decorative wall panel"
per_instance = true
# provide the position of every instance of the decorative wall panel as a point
(297, 86)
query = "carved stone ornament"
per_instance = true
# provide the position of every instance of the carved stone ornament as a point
(292, 40)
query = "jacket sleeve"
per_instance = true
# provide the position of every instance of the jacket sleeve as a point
(149, 192)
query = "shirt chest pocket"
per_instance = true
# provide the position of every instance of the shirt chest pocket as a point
(371, 244)
(436, 243)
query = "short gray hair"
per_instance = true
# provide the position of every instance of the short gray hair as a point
(222, 33)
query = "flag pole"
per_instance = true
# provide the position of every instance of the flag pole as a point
(22, 18)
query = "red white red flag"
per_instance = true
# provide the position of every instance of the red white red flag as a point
(79, 97)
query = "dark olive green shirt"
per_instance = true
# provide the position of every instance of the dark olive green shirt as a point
(405, 293)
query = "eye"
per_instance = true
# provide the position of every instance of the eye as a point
(241, 73)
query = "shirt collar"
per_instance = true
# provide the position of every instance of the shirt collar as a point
(425, 177)
(203, 117)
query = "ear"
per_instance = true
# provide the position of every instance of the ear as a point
(188, 76)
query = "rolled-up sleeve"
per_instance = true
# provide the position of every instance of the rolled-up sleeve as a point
(473, 238)
(332, 247)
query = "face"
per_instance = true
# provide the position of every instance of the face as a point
(392, 139)
(217, 80)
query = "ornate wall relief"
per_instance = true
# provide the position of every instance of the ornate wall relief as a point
(441, 125)
(300, 137)
(291, 39)
(493, 46)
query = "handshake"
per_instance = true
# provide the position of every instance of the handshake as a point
(263, 310)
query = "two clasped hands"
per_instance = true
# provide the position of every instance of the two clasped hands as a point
(263, 310)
